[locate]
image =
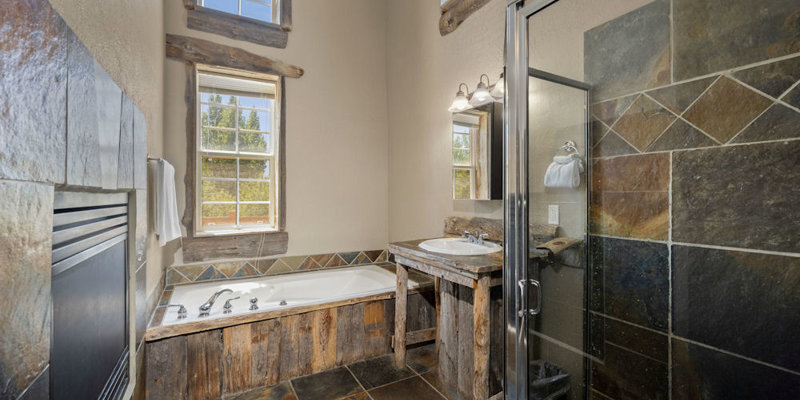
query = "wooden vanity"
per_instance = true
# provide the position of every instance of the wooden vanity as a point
(459, 281)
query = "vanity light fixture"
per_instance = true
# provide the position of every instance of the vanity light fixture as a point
(498, 90)
(481, 95)
(460, 103)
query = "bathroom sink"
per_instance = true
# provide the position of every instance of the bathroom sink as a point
(459, 247)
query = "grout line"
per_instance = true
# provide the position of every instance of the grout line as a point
(392, 383)
(717, 143)
(760, 93)
(425, 380)
(701, 245)
(792, 87)
(648, 240)
(730, 353)
(669, 278)
(680, 116)
(291, 386)
(744, 128)
(347, 367)
(607, 316)
(621, 347)
(709, 75)
(671, 46)
(638, 94)
(724, 146)
(739, 249)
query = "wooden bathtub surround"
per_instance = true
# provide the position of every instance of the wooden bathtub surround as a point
(157, 331)
(210, 363)
(460, 280)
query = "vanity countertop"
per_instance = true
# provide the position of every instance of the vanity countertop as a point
(481, 264)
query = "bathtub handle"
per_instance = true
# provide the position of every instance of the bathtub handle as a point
(227, 306)
(181, 310)
(254, 303)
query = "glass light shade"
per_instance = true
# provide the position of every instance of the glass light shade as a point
(460, 103)
(481, 97)
(499, 88)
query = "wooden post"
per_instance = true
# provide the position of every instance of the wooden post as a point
(481, 318)
(400, 311)
(438, 297)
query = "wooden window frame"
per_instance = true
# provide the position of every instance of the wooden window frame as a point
(194, 52)
(240, 27)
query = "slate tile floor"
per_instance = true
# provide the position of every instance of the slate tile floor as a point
(373, 379)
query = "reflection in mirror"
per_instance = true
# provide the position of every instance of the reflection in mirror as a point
(472, 142)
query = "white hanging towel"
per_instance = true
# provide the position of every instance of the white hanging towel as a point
(564, 172)
(167, 223)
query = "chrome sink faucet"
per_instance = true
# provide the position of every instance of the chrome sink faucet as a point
(476, 237)
(206, 307)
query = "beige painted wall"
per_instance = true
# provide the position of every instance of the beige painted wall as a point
(337, 169)
(424, 70)
(127, 38)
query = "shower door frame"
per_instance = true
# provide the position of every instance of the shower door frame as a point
(515, 183)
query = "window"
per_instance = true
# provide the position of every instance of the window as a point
(237, 152)
(463, 158)
(262, 10)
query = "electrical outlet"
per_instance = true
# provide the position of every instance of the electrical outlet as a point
(552, 214)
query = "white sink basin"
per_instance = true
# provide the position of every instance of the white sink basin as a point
(459, 247)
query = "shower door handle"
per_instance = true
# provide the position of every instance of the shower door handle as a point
(522, 285)
(538, 286)
(522, 307)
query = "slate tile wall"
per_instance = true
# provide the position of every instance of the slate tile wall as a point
(694, 282)
(64, 123)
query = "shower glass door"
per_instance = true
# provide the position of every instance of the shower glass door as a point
(552, 337)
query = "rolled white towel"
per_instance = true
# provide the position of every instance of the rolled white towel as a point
(564, 172)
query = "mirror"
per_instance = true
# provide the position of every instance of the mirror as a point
(477, 153)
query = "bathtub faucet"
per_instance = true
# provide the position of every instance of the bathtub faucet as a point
(206, 307)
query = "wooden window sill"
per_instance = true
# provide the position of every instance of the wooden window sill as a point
(235, 246)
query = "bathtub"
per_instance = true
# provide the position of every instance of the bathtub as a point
(282, 292)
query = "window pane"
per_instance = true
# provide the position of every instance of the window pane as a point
(254, 169)
(253, 191)
(255, 102)
(229, 6)
(254, 142)
(461, 191)
(460, 141)
(218, 167)
(254, 214)
(461, 157)
(216, 139)
(216, 116)
(257, 10)
(256, 120)
(218, 191)
(461, 128)
(218, 214)
(462, 176)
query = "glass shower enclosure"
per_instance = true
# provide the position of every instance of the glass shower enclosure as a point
(652, 142)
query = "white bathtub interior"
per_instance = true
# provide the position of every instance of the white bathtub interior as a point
(282, 291)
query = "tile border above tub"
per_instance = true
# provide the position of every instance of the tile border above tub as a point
(270, 266)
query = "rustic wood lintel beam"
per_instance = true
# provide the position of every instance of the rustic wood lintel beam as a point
(454, 12)
(206, 52)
